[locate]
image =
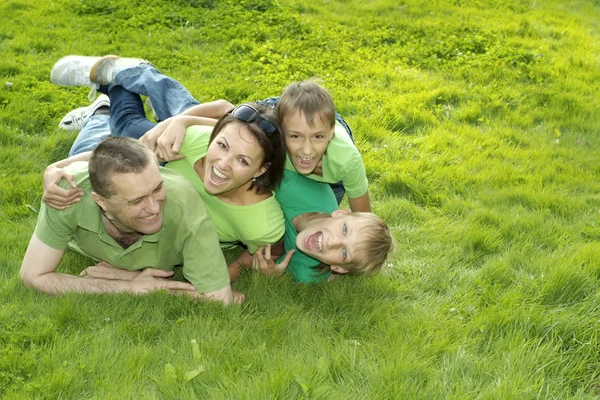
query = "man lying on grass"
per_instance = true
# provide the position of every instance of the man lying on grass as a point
(136, 216)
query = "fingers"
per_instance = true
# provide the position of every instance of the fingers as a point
(267, 252)
(238, 298)
(288, 257)
(59, 198)
(158, 273)
(176, 286)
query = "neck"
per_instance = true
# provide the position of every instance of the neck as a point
(122, 236)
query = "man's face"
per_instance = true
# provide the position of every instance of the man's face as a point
(305, 144)
(138, 202)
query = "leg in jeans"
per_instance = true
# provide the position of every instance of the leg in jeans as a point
(95, 130)
(127, 115)
(168, 96)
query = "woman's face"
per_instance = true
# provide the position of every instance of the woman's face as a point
(232, 160)
(331, 240)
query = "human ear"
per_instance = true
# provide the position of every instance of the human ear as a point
(262, 169)
(338, 270)
(99, 200)
(339, 213)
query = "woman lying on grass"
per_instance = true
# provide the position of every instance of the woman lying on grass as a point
(320, 239)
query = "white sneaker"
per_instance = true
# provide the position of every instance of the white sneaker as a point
(75, 119)
(103, 72)
(73, 71)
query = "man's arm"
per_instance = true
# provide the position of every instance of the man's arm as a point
(39, 265)
(361, 203)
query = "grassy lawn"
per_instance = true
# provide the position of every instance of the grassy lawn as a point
(479, 124)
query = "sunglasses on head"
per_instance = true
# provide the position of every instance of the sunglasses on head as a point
(247, 113)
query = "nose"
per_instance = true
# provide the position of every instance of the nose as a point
(306, 148)
(152, 205)
(335, 241)
(223, 163)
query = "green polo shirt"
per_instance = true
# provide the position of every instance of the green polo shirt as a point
(341, 162)
(187, 236)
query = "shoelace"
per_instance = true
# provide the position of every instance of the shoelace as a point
(92, 94)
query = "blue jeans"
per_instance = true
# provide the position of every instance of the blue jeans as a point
(338, 188)
(127, 116)
(95, 130)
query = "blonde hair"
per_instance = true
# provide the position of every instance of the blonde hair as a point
(371, 252)
(376, 244)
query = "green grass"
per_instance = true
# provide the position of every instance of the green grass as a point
(478, 124)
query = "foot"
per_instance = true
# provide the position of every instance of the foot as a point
(106, 68)
(75, 119)
(73, 71)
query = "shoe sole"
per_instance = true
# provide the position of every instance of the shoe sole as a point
(97, 67)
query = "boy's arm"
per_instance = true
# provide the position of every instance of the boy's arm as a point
(361, 203)
(214, 109)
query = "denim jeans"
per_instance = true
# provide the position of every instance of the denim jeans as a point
(338, 188)
(127, 116)
(95, 130)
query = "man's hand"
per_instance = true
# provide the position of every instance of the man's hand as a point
(55, 196)
(263, 262)
(152, 279)
(104, 270)
(165, 139)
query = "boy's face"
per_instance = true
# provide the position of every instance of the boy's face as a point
(331, 240)
(305, 144)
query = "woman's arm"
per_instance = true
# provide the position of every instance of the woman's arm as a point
(55, 196)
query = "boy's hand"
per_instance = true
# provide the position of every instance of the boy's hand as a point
(262, 261)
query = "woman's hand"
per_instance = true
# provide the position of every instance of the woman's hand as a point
(165, 139)
(55, 196)
(262, 261)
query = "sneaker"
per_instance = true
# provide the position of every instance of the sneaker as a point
(103, 72)
(73, 71)
(76, 118)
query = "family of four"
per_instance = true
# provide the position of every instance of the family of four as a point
(268, 176)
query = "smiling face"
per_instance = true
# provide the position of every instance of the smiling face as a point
(331, 240)
(138, 201)
(306, 144)
(233, 158)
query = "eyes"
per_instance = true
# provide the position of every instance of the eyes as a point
(241, 160)
(139, 200)
(318, 136)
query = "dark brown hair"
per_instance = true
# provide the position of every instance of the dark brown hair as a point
(116, 155)
(272, 145)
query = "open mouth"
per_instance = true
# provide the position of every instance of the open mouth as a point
(314, 242)
(305, 162)
(217, 177)
(149, 217)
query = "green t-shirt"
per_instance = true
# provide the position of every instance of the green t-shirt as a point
(253, 225)
(187, 236)
(299, 195)
(341, 162)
